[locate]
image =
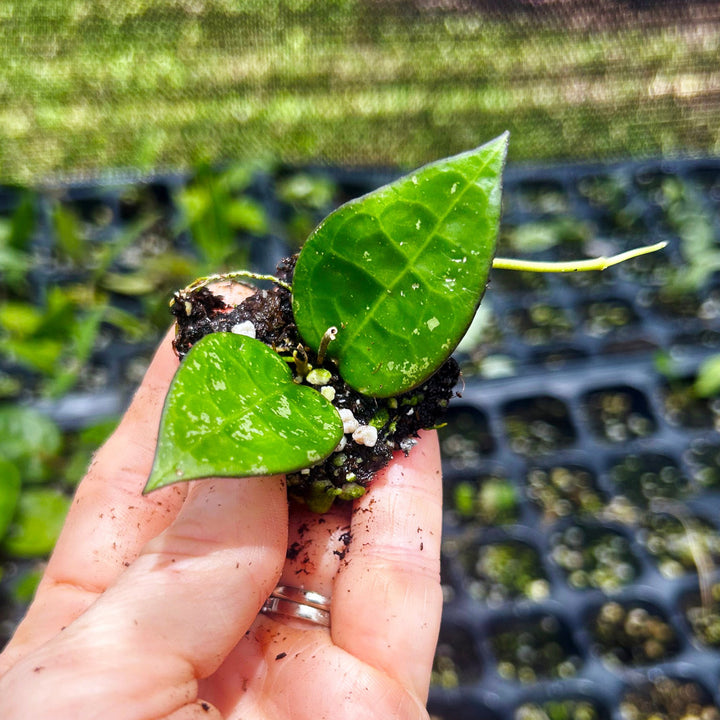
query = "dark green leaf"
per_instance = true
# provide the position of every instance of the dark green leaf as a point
(9, 494)
(233, 410)
(401, 271)
(24, 586)
(69, 236)
(60, 313)
(23, 222)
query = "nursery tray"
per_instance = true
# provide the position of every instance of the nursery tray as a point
(582, 471)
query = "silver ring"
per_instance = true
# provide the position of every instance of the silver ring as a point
(297, 603)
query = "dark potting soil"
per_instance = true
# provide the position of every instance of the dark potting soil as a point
(346, 472)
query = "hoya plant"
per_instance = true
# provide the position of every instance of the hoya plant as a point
(348, 356)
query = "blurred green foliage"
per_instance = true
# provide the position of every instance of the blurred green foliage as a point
(40, 464)
(707, 383)
(214, 208)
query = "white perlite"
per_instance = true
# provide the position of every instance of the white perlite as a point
(244, 328)
(350, 424)
(365, 435)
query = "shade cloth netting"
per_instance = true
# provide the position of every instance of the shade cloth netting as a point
(87, 86)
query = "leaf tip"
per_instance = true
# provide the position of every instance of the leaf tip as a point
(150, 485)
(160, 479)
(501, 141)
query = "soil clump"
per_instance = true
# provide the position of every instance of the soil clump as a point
(375, 427)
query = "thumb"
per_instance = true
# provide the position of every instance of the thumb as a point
(173, 616)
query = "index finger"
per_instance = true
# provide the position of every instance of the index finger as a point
(109, 519)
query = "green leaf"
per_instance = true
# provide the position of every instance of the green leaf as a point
(28, 439)
(42, 354)
(20, 319)
(69, 236)
(79, 449)
(13, 261)
(10, 386)
(60, 313)
(9, 494)
(233, 410)
(39, 518)
(707, 383)
(308, 191)
(22, 224)
(401, 271)
(24, 586)
(136, 283)
(77, 354)
(247, 214)
(214, 207)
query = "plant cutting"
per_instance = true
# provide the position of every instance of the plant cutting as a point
(348, 356)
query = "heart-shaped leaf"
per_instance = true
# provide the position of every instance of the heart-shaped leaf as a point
(402, 270)
(233, 410)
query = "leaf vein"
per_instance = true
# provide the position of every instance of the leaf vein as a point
(382, 298)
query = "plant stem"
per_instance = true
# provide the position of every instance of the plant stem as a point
(300, 358)
(195, 284)
(327, 338)
(599, 263)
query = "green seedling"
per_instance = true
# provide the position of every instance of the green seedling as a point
(38, 462)
(215, 208)
(383, 292)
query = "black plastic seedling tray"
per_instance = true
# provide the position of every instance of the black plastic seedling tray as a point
(575, 485)
(582, 474)
(548, 592)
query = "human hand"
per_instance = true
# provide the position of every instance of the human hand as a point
(149, 605)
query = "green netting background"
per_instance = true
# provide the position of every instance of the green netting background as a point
(92, 86)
